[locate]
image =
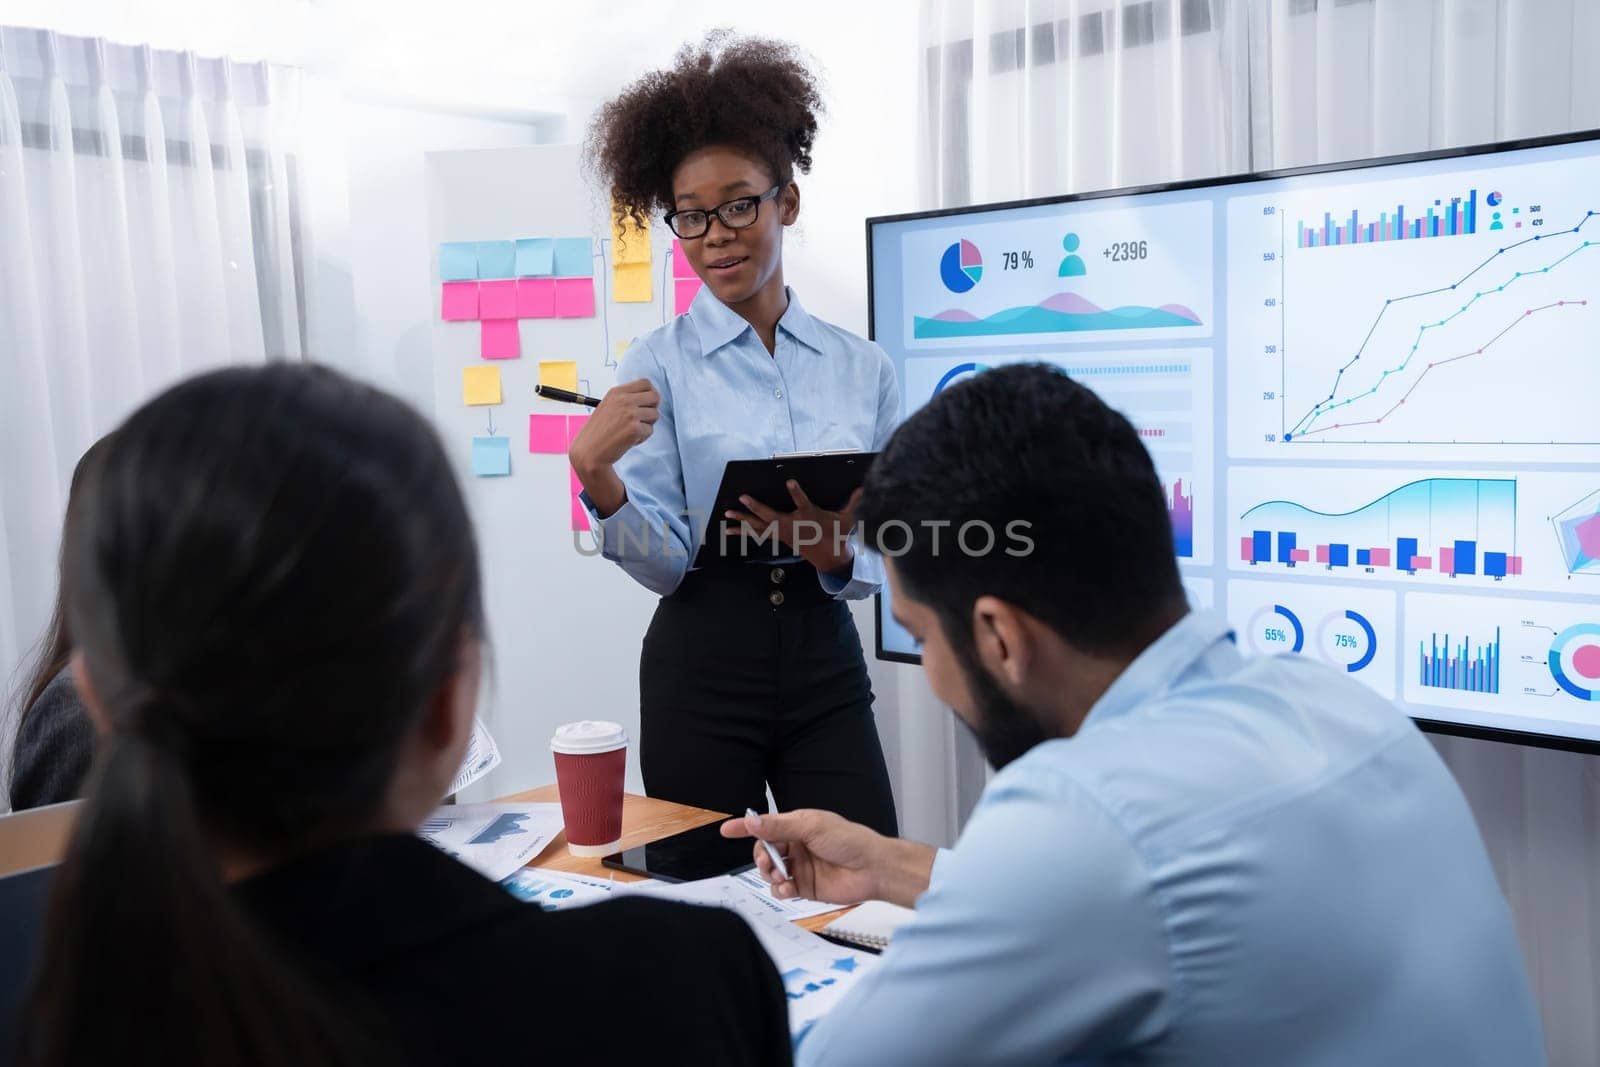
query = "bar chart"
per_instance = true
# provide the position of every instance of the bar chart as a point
(1460, 663)
(1457, 218)
(1454, 528)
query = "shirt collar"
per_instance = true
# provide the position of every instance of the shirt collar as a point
(1193, 641)
(718, 325)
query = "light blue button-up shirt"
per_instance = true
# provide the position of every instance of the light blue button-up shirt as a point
(1236, 861)
(723, 397)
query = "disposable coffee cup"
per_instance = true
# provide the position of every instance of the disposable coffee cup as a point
(590, 760)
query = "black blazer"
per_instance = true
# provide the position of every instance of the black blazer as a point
(467, 974)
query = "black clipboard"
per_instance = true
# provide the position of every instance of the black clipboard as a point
(828, 478)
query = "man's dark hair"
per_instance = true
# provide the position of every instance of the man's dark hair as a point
(1026, 444)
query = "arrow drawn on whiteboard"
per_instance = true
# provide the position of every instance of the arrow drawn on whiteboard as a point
(491, 421)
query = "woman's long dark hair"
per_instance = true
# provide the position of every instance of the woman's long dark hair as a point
(269, 577)
(55, 646)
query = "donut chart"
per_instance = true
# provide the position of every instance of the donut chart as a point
(1346, 639)
(1276, 629)
(1351, 630)
(1575, 660)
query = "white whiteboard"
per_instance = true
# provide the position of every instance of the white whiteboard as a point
(565, 629)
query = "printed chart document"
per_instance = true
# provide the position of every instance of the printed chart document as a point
(483, 755)
(493, 839)
(816, 973)
(558, 890)
(794, 907)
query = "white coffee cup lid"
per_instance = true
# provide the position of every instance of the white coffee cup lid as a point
(582, 738)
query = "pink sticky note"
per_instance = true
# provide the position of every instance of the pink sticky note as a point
(574, 427)
(580, 516)
(547, 434)
(536, 298)
(683, 291)
(574, 298)
(458, 301)
(680, 262)
(500, 339)
(497, 300)
(574, 481)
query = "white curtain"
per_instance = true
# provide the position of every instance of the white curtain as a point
(1030, 98)
(146, 232)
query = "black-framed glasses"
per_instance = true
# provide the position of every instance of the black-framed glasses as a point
(735, 214)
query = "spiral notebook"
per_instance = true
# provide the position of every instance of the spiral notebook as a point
(872, 925)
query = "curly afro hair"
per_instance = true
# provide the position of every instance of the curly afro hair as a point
(749, 93)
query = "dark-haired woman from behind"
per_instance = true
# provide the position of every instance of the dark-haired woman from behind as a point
(273, 590)
(55, 739)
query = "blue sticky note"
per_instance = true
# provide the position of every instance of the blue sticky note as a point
(536, 257)
(574, 257)
(497, 259)
(458, 261)
(491, 456)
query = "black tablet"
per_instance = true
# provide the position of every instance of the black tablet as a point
(687, 857)
(828, 478)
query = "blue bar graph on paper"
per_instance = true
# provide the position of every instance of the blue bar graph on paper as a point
(1262, 542)
(1338, 555)
(1363, 557)
(1466, 557)
(1286, 539)
(1494, 564)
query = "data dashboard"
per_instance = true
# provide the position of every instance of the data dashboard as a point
(1372, 393)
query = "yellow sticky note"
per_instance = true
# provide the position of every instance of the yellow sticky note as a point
(630, 283)
(480, 385)
(629, 243)
(563, 374)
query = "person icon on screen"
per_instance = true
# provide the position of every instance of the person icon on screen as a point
(1496, 224)
(1072, 266)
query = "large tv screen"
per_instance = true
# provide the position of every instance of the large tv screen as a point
(1372, 391)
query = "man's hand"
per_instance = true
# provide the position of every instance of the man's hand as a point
(834, 860)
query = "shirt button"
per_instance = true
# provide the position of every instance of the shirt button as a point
(775, 598)
(777, 576)
(778, 393)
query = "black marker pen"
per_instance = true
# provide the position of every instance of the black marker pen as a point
(550, 392)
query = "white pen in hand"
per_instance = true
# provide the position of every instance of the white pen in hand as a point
(777, 860)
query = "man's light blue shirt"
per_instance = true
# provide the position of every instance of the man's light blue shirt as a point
(1235, 861)
(723, 397)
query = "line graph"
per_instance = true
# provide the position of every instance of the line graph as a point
(1526, 314)
(1480, 348)
(1307, 421)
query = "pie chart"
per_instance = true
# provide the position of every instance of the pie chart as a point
(961, 266)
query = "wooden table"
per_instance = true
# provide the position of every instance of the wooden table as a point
(644, 819)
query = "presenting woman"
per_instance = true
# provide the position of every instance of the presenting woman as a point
(752, 674)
